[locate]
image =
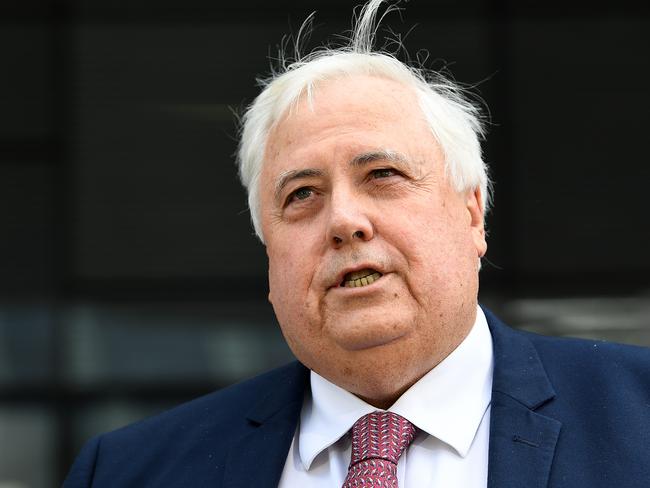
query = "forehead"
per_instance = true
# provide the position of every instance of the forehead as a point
(348, 115)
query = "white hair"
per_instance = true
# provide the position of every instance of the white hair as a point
(454, 120)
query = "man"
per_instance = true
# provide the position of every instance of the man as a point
(367, 187)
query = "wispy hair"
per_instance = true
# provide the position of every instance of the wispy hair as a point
(454, 119)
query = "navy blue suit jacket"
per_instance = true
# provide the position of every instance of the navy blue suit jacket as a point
(565, 413)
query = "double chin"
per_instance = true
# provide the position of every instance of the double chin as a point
(367, 328)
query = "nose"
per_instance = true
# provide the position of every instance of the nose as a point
(348, 220)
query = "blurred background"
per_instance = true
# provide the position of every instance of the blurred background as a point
(130, 280)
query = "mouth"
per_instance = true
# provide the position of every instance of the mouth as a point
(362, 277)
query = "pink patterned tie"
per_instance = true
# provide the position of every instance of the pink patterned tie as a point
(378, 440)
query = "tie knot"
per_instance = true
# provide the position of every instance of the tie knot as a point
(381, 435)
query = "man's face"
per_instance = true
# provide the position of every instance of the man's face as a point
(373, 257)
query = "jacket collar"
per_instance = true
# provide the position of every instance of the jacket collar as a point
(257, 458)
(522, 441)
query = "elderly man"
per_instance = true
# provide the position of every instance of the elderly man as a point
(367, 187)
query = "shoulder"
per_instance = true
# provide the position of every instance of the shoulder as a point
(226, 407)
(596, 360)
(194, 437)
(605, 372)
(567, 354)
(594, 370)
(592, 352)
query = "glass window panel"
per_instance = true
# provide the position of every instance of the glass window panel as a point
(167, 344)
(618, 318)
(27, 440)
(26, 340)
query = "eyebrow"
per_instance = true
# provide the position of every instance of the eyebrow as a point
(381, 155)
(295, 174)
(357, 161)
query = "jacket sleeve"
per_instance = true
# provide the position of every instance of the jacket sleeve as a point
(82, 471)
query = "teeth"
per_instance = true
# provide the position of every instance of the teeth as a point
(355, 275)
(362, 273)
(364, 280)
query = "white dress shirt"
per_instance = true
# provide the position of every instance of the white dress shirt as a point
(450, 405)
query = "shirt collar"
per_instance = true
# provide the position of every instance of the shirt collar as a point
(447, 403)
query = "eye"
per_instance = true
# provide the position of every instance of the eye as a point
(300, 194)
(383, 173)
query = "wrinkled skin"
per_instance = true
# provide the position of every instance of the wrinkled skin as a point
(364, 186)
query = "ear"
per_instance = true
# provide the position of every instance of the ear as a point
(270, 297)
(474, 204)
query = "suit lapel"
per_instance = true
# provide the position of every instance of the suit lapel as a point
(522, 441)
(258, 457)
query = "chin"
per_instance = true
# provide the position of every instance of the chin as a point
(385, 372)
(370, 341)
(369, 331)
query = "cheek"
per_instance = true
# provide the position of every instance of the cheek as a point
(289, 272)
(280, 275)
(289, 295)
(437, 247)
